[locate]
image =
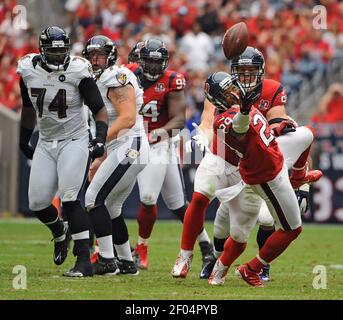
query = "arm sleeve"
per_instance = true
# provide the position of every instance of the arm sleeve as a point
(25, 94)
(91, 94)
(241, 123)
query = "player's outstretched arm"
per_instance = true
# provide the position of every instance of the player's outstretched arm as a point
(204, 132)
(206, 124)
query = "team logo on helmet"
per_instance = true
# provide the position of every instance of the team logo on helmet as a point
(62, 77)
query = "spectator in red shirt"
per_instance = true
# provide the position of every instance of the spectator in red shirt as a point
(330, 108)
(182, 21)
(316, 48)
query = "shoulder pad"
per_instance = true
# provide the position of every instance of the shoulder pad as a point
(78, 63)
(25, 64)
(80, 68)
(176, 81)
(115, 76)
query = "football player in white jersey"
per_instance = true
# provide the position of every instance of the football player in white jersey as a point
(53, 87)
(164, 115)
(113, 177)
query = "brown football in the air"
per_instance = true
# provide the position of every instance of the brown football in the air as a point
(235, 40)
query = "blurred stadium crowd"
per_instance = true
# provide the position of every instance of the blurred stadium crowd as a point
(192, 31)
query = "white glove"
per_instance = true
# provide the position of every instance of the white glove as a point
(200, 139)
(303, 197)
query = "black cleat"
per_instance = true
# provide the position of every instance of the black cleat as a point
(105, 266)
(264, 276)
(61, 246)
(206, 249)
(207, 268)
(127, 267)
(82, 268)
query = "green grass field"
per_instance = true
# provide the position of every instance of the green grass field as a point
(27, 243)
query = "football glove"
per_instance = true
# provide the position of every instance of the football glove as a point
(284, 127)
(303, 197)
(200, 140)
(157, 135)
(96, 149)
(97, 145)
(27, 150)
(24, 140)
(247, 98)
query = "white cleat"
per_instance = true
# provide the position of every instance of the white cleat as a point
(182, 266)
(217, 277)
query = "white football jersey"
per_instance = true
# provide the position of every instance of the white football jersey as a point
(56, 97)
(114, 77)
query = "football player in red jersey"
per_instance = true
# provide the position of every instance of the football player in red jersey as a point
(294, 144)
(269, 99)
(133, 56)
(164, 112)
(243, 130)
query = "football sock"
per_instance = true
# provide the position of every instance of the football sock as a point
(77, 220)
(186, 253)
(263, 234)
(49, 216)
(180, 213)
(102, 225)
(106, 247)
(232, 250)
(194, 220)
(81, 249)
(218, 246)
(146, 219)
(91, 234)
(203, 236)
(142, 241)
(274, 246)
(119, 230)
(124, 251)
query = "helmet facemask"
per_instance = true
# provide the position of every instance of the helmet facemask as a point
(225, 96)
(98, 59)
(153, 66)
(100, 54)
(249, 75)
(55, 55)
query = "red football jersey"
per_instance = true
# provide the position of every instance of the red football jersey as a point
(155, 107)
(260, 157)
(272, 95)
